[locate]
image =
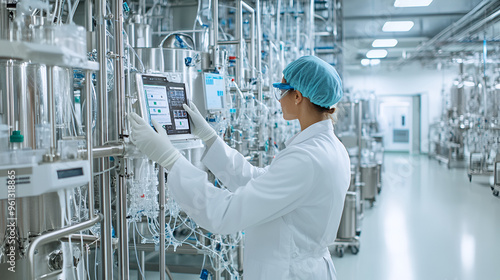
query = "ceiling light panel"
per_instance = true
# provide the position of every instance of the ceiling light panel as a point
(376, 54)
(412, 3)
(384, 43)
(370, 62)
(365, 62)
(398, 26)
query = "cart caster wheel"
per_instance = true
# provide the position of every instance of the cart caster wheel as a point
(354, 250)
(496, 193)
(358, 233)
(340, 252)
(379, 190)
(470, 178)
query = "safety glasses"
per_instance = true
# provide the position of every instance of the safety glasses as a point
(281, 89)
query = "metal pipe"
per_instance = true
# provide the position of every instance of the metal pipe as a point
(259, 51)
(122, 222)
(458, 25)
(88, 16)
(360, 133)
(88, 135)
(79, 237)
(109, 150)
(4, 20)
(229, 42)
(297, 32)
(278, 21)
(239, 46)
(106, 227)
(10, 95)
(247, 7)
(481, 24)
(161, 187)
(119, 69)
(53, 236)
(178, 31)
(105, 201)
(252, 41)
(142, 261)
(215, 24)
(51, 111)
(311, 25)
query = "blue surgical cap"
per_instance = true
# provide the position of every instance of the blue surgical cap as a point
(315, 79)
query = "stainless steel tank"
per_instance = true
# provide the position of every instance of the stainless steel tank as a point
(139, 33)
(457, 99)
(189, 63)
(379, 183)
(24, 100)
(352, 184)
(369, 176)
(347, 227)
(24, 107)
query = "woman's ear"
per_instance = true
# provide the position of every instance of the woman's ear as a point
(298, 97)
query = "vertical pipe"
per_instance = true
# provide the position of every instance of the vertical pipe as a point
(9, 77)
(297, 33)
(88, 134)
(4, 20)
(215, 22)
(259, 51)
(123, 260)
(360, 132)
(239, 46)
(106, 228)
(105, 201)
(278, 22)
(119, 69)
(142, 263)
(161, 187)
(24, 116)
(312, 38)
(89, 25)
(252, 44)
(88, 16)
(119, 90)
(52, 111)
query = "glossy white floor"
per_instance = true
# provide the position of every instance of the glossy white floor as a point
(428, 223)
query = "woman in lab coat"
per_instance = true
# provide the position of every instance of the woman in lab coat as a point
(290, 211)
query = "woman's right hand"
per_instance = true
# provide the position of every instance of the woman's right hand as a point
(200, 126)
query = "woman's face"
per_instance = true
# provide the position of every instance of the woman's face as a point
(288, 106)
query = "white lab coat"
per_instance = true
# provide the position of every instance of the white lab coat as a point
(290, 211)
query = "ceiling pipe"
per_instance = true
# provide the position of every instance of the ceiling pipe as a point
(464, 25)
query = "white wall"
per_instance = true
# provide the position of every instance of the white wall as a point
(407, 80)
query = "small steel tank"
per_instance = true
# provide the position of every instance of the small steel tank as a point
(347, 227)
(369, 176)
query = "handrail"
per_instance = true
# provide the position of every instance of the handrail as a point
(55, 235)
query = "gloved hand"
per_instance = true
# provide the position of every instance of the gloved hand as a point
(155, 145)
(201, 128)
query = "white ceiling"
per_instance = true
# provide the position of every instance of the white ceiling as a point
(363, 21)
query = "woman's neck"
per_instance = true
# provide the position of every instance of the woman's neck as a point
(309, 119)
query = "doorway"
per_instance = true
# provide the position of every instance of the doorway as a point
(399, 120)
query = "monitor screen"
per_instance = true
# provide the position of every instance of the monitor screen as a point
(164, 102)
(214, 91)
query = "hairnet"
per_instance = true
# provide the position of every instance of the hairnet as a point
(315, 79)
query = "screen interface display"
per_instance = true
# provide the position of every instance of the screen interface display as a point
(164, 102)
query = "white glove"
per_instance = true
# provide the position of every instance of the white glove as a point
(155, 145)
(201, 128)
